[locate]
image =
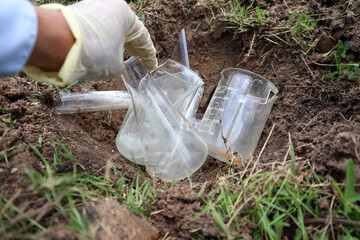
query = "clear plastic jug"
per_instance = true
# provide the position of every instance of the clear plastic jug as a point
(236, 115)
(182, 87)
(171, 148)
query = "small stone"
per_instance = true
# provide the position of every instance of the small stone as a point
(246, 236)
(162, 204)
(324, 204)
(200, 9)
(114, 221)
(108, 220)
(204, 26)
(325, 44)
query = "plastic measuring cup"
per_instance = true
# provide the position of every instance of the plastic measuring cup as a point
(236, 115)
(172, 148)
(180, 85)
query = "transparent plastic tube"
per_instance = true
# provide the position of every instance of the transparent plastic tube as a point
(183, 49)
(93, 101)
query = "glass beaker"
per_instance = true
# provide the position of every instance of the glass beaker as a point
(172, 148)
(236, 115)
(181, 86)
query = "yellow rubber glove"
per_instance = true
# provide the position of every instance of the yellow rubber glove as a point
(102, 29)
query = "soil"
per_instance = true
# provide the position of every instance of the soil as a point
(321, 117)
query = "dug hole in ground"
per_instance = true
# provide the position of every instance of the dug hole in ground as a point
(59, 174)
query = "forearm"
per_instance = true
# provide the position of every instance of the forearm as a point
(54, 40)
(85, 41)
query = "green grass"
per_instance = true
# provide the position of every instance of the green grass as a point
(278, 202)
(63, 186)
(4, 156)
(138, 7)
(298, 32)
(352, 70)
(242, 18)
(6, 117)
(284, 201)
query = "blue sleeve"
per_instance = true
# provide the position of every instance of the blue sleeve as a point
(18, 30)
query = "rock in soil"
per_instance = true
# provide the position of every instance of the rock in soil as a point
(109, 221)
(114, 221)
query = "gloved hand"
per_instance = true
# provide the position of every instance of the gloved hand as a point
(102, 29)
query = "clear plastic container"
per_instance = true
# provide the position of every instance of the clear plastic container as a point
(92, 101)
(172, 148)
(236, 115)
(180, 85)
